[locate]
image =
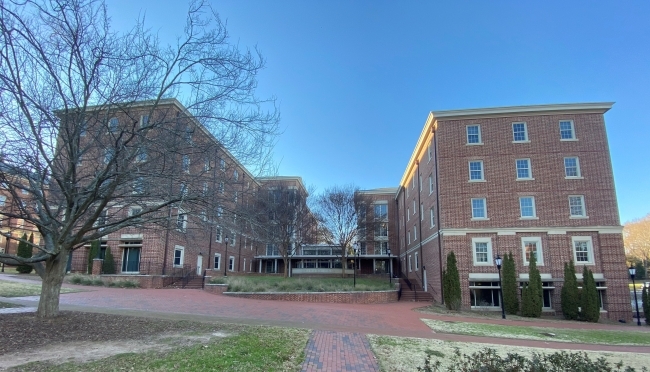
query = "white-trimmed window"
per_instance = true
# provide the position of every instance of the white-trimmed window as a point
(235, 175)
(519, 132)
(432, 216)
(530, 246)
(414, 207)
(577, 206)
(410, 266)
(231, 263)
(479, 209)
(582, 250)
(109, 154)
(527, 207)
(523, 169)
(183, 190)
(476, 171)
(572, 167)
(431, 184)
(181, 221)
(206, 188)
(144, 120)
(380, 212)
(421, 212)
(415, 233)
(186, 163)
(206, 164)
(413, 182)
(138, 186)
(482, 251)
(474, 134)
(179, 255)
(408, 214)
(429, 152)
(141, 155)
(222, 164)
(217, 261)
(218, 234)
(188, 134)
(221, 187)
(408, 236)
(417, 261)
(219, 211)
(113, 125)
(134, 211)
(3, 200)
(567, 131)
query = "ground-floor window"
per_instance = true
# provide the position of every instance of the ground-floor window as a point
(178, 256)
(484, 294)
(547, 293)
(601, 287)
(381, 266)
(217, 261)
(231, 263)
(131, 259)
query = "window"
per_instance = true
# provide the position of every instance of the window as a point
(231, 263)
(217, 261)
(188, 134)
(430, 184)
(417, 261)
(577, 206)
(567, 132)
(482, 251)
(134, 211)
(476, 170)
(523, 169)
(138, 186)
(236, 198)
(144, 120)
(484, 294)
(205, 188)
(408, 214)
(530, 246)
(413, 182)
(206, 164)
(221, 187)
(219, 211)
(183, 190)
(519, 132)
(380, 212)
(181, 221)
(429, 152)
(3, 200)
(109, 154)
(141, 155)
(414, 208)
(381, 231)
(415, 233)
(421, 212)
(582, 249)
(186, 163)
(131, 255)
(218, 234)
(432, 216)
(381, 248)
(235, 175)
(408, 236)
(527, 207)
(478, 208)
(410, 266)
(222, 164)
(113, 124)
(474, 135)
(572, 167)
(178, 256)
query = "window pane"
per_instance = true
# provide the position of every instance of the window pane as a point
(523, 168)
(571, 167)
(481, 252)
(475, 170)
(575, 204)
(582, 251)
(478, 208)
(527, 207)
(519, 131)
(566, 130)
(473, 135)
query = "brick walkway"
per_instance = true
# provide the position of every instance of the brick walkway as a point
(339, 351)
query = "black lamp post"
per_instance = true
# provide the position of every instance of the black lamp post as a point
(632, 271)
(225, 265)
(354, 264)
(390, 280)
(498, 261)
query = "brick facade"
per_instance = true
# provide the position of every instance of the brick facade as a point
(438, 178)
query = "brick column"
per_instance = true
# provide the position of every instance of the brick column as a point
(97, 266)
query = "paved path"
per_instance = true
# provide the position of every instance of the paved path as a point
(339, 351)
(335, 321)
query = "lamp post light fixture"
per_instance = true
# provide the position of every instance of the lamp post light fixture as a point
(632, 271)
(390, 280)
(498, 262)
(225, 265)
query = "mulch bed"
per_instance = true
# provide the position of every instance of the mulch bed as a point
(25, 331)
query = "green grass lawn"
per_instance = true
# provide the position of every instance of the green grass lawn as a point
(5, 305)
(253, 349)
(280, 284)
(585, 336)
(14, 289)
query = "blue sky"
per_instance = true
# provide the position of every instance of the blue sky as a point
(355, 80)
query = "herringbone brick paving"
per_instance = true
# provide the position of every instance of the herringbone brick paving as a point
(339, 351)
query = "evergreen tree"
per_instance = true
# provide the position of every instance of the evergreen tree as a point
(25, 250)
(590, 310)
(646, 305)
(570, 300)
(451, 283)
(532, 295)
(109, 262)
(509, 285)
(92, 254)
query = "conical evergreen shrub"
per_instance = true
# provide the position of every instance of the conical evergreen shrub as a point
(509, 285)
(109, 262)
(646, 305)
(24, 250)
(570, 293)
(451, 283)
(532, 295)
(92, 254)
(590, 309)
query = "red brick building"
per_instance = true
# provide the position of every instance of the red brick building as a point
(525, 179)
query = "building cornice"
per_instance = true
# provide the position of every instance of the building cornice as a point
(551, 230)
(529, 110)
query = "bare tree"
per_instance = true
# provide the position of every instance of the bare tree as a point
(80, 148)
(342, 212)
(282, 219)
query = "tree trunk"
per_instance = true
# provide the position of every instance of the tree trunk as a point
(48, 306)
(286, 267)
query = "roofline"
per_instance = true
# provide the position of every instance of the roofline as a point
(281, 178)
(383, 190)
(431, 123)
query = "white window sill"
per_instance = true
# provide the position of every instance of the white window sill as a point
(526, 141)
(472, 181)
(130, 272)
(479, 219)
(474, 144)
(178, 266)
(574, 178)
(525, 179)
(529, 218)
(568, 139)
(483, 264)
(578, 217)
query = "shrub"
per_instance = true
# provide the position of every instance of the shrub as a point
(451, 283)
(590, 309)
(25, 251)
(487, 360)
(126, 283)
(532, 295)
(218, 280)
(570, 292)
(108, 267)
(509, 285)
(93, 252)
(646, 305)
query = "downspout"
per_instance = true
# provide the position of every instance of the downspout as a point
(422, 269)
(435, 164)
(169, 218)
(398, 235)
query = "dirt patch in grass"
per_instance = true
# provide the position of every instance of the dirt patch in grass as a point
(19, 289)
(82, 337)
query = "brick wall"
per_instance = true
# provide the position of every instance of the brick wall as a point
(325, 297)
